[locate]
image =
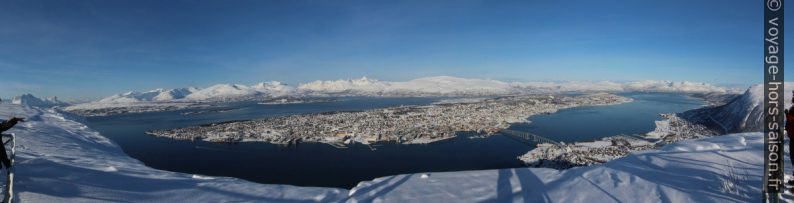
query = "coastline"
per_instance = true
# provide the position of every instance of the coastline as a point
(406, 125)
(669, 130)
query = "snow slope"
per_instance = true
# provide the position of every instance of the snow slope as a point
(30, 100)
(717, 169)
(746, 113)
(60, 160)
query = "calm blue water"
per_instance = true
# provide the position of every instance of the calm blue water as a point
(592, 123)
(314, 164)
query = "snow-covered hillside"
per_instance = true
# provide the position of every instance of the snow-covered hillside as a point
(30, 100)
(746, 112)
(174, 94)
(235, 91)
(60, 160)
(192, 94)
(717, 169)
(164, 98)
(148, 96)
(169, 99)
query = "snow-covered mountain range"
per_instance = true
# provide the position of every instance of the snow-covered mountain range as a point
(428, 86)
(151, 95)
(220, 92)
(235, 91)
(160, 99)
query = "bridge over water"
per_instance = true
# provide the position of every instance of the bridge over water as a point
(529, 137)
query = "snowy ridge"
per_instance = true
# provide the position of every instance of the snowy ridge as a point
(159, 99)
(149, 96)
(60, 160)
(746, 113)
(222, 91)
(174, 94)
(30, 100)
(236, 91)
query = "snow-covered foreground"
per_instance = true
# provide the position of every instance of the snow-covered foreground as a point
(718, 169)
(63, 160)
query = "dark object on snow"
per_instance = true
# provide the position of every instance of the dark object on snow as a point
(5, 125)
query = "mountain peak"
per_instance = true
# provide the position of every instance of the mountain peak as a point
(30, 100)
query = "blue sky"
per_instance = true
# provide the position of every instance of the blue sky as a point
(91, 49)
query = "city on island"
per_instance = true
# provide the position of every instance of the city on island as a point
(405, 124)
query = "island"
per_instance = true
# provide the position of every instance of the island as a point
(404, 124)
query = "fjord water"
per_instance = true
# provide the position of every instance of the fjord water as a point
(317, 164)
(594, 122)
